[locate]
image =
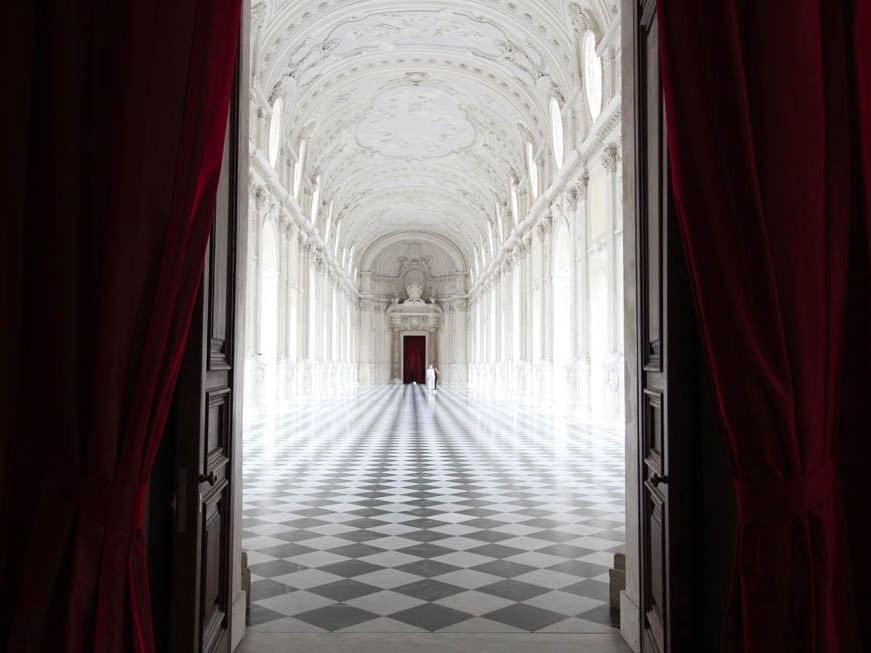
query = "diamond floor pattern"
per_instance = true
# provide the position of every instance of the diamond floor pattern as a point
(401, 510)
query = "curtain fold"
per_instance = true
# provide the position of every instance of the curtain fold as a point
(763, 147)
(124, 124)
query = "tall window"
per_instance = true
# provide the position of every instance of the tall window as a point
(338, 234)
(532, 169)
(275, 131)
(498, 214)
(592, 75)
(316, 200)
(556, 126)
(300, 165)
(329, 224)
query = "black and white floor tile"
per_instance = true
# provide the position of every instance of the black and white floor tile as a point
(400, 510)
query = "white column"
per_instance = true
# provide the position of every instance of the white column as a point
(614, 360)
(582, 294)
(528, 308)
(397, 370)
(547, 306)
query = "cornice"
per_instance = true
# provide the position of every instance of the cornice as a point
(264, 174)
(572, 175)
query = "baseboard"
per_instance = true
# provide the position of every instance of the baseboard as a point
(630, 622)
(239, 620)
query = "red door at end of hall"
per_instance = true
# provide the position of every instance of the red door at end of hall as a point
(414, 359)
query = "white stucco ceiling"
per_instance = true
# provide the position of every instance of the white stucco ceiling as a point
(414, 110)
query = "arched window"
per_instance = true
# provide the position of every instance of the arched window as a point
(532, 169)
(556, 126)
(592, 74)
(275, 131)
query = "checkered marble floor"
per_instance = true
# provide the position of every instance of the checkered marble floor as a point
(400, 510)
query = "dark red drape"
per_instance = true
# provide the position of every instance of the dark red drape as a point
(116, 121)
(763, 136)
(414, 359)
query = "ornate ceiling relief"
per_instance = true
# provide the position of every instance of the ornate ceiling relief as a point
(438, 28)
(409, 109)
(414, 122)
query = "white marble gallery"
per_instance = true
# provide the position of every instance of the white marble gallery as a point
(435, 185)
(472, 155)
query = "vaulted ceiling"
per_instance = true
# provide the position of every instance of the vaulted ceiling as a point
(415, 112)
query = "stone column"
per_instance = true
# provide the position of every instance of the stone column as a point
(396, 357)
(546, 231)
(283, 290)
(301, 297)
(610, 158)
(582, 294)
(434, 347)
(500, 311)
(542, 274)
(614, 362)
(525, 314)
(508, 322)
(312, 296)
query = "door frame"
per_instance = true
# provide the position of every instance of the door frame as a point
(630, 597)
(682, 367)
(242, 104)
(426, 352)
(185, 594)
(630, 612)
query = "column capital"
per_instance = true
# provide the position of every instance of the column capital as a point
(578, 190)
(610, 157)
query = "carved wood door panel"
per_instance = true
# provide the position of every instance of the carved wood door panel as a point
(666, 350)
(207, 411)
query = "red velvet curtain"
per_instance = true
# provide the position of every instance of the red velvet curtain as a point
(116, 118)
(414, 359)
(763, 131)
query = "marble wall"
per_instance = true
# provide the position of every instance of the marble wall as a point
(546, 310)
(302, 316)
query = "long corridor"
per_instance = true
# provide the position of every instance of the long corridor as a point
(398, 510)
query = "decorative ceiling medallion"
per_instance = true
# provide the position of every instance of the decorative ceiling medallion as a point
(415, 122)
(435, 29)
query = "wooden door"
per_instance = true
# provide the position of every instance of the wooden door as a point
(207, 409)
(414, 359)
(666, 355)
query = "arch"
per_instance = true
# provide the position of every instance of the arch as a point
(370, 254)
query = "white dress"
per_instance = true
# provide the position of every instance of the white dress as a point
(430, 378)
